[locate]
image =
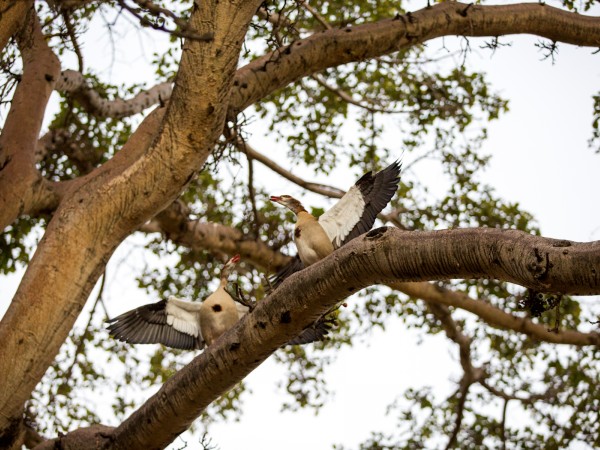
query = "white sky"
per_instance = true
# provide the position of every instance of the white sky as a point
(540, 159)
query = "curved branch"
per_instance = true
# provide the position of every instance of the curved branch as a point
(74, 83)
(214, 237)
(494, 316)
(217, 238)
(381, 255)
(340, 46)
(328, 191)
(22, 188)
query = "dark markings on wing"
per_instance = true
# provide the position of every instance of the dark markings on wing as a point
(148, 325)
(295, 265)
(377, 190)
(316, 332)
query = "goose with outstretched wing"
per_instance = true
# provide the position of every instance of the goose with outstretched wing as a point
(353, 215)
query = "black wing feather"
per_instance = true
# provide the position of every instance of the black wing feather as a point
(316, 332)
(377, 190)
(295, 265)
(148, 325)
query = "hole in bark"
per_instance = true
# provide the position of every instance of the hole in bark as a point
(234, 346)
(217, 308)
(261, 325)
(376, 233)
(49, 77)
(286, 317)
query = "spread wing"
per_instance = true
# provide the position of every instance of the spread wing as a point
(171, 322)
(355, 213)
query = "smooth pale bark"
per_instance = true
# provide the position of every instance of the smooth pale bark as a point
(99, 211)
(381, 256)
(74, 83)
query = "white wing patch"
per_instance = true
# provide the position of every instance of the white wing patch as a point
(339, 221)
(183, 316)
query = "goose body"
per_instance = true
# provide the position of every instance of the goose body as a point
(188, 325)
(353, 215)
(181, 324)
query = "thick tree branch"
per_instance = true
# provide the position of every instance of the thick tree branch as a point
(119, 197)
(22, 188)
(379, 256)
(12, 17)
(213, 237)
(335, 47)
(74, 83)
(219, 238)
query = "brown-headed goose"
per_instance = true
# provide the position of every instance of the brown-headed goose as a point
(353, 215)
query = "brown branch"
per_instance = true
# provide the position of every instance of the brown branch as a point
(377, 257)
(494, 316)
(319, 18)
(12, 17)
(340, 46)
(22, 188)
(347, 97)
(318, 188)
(74, 83)
(528, 400)
(216, 238)
(186, 31)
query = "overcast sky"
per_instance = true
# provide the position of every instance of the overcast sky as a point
(540, 159)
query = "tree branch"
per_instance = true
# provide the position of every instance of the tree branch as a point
(494, 316)
(214, 237)
(22, 188)
(340, 46)
(217, 238)
(379, 256)
(74, 83)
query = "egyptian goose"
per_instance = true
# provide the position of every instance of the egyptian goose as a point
(353, 215)
(181, 324)
(187, 325)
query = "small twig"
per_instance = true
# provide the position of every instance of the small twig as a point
(158, 12)
(316, 15)
(241, 298)
(81, 343)
(73, 38)
(503, 424)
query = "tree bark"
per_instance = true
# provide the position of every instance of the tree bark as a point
(21, 185)
(380, 256)
(12, 17)
(104, 207)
